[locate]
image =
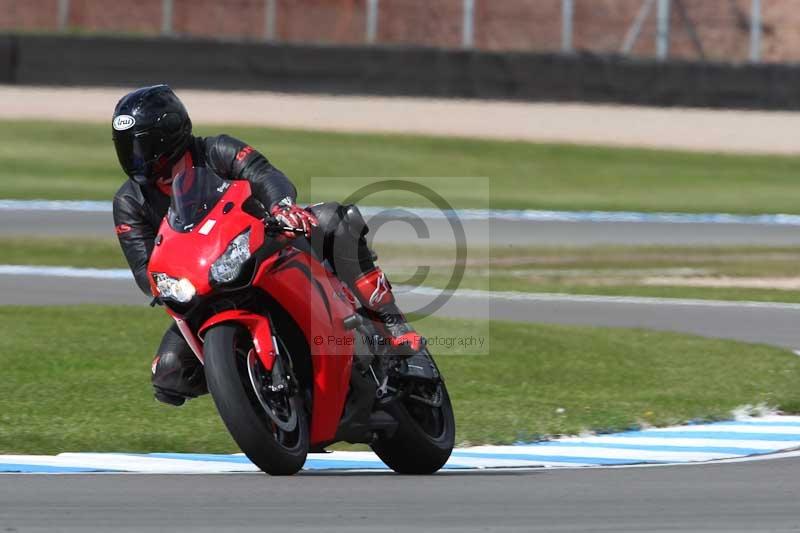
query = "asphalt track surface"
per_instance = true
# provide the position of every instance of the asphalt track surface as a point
(756, 496)
(481, 233)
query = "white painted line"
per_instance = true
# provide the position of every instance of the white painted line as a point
(537, 215)
(582, 298)
(83, 206)
(600, 453)
(767, 457)
(122, 462)
(765, 445)
(65, 272)
(124, 274)
(514, 215)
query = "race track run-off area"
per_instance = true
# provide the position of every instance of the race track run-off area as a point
(748, 438)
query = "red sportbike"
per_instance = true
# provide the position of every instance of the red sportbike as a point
(290, 358)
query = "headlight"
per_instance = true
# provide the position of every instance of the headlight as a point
(180, 290)
(229, 265)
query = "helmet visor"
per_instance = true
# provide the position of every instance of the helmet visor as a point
(137, 153)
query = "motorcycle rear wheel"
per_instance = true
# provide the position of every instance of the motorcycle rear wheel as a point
(424, 439)
(276, 451)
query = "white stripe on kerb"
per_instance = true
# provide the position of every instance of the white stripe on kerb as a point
(765, 445)
(600, 453)
(731, 428)
(590, 451)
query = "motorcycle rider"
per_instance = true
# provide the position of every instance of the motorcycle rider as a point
(153, 138)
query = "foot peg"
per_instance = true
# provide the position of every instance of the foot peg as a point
(353, 321)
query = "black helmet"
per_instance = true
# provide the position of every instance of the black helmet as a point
(151, 131)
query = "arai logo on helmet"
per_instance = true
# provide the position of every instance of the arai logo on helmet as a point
(123, 122)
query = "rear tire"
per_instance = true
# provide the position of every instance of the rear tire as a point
(274, 452)
(416, 447)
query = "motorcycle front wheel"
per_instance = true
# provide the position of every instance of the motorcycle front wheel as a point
(265, 417)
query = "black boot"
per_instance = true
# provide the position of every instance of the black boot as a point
(177, 374)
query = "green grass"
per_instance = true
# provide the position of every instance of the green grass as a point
(600, 270)
(74, 252)
(77, 379)
(76, 161)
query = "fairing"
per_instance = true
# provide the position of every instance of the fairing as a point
(190, 255)
(258, 326)
(317, 302)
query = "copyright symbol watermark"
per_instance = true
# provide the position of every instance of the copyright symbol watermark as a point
(318, 340)
(443, 211)
(430, 247)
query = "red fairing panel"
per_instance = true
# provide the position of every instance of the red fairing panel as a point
(313, 297)
(257, 325)
(205, 247)
(317, 301)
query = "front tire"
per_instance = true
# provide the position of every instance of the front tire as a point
(424, 439)
(229, 375)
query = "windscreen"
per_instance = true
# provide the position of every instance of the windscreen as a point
(195, 192)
